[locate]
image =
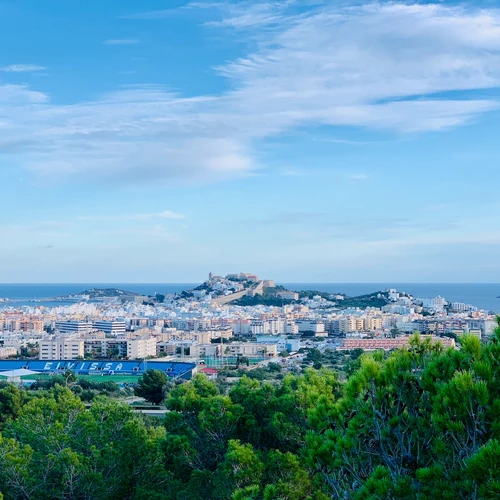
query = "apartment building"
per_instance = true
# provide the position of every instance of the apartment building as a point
(6, 352)
(310, 325)
(206, 350)
(373, 323)
(165, 348)
(61, 347)
(351, 324)
(135, 348)
(106, 348)
(22, 324)
(141, 348)
(111, 327)
(73, 327)
(388, 344)
(251, 349)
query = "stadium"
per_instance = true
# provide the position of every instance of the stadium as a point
(26, 369)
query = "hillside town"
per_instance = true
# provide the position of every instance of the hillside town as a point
(206, 325)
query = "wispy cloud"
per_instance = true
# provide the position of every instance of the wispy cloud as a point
(154, 232)
(285, 218)
(294, 172)
(390, 66)
(396, 232)
(238, 15)
(153, 14)
(246, 15)
(22, 68)
(166, 214)
(122, 41)
(358, 177)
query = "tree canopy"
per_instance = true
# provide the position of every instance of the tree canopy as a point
(151, 386)
(420, 423)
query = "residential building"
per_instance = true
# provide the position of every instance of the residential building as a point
(283, 343)
(141, 348)
(387, 344)
(206, 350)
(106, 348)
(251, 349)
(61, 347)
(311, 325)
(111, 327)
(6, 352)
(373, 323)
(73, 327)
(165, 348)
(351, 324)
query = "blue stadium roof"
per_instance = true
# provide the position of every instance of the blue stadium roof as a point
(86, 367)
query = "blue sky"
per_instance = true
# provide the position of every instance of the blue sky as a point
(301, 140)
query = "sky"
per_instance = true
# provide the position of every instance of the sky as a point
(301, 140)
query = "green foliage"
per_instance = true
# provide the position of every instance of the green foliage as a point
(418, 423)
(309, 294)
(269, 297)
(250, 441)
(57, 449)
(151, 386)
(376, 299)
(12, 400)
(265, 300)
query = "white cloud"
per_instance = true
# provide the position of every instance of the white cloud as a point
(15, 97)
(154, 14)
(142, 233)
(122, 41)
(407, 68)
(358, 177)
(23, 68)
(245, 15)
(166, 214)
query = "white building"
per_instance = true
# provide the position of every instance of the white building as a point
(111, 327)
(311, 325)
(436, 303)
(351, 324)
(5, 352)
(141, 348)
(71, 327)
(250, 349)
(61, 347)
(205, 350)
(398, 309)
(283, 343)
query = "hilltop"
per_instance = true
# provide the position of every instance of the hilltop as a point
(245, 289)
(104, 293)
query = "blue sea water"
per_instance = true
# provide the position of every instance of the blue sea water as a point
(482, 295)
(26, 293)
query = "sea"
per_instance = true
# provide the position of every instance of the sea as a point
(482, 295)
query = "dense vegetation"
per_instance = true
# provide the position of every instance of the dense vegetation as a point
(376, 299)
(99, 293)
(420, 423)
(262, 300)
(309, 294)
(269, 297)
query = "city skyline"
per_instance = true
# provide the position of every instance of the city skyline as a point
(298, 140)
